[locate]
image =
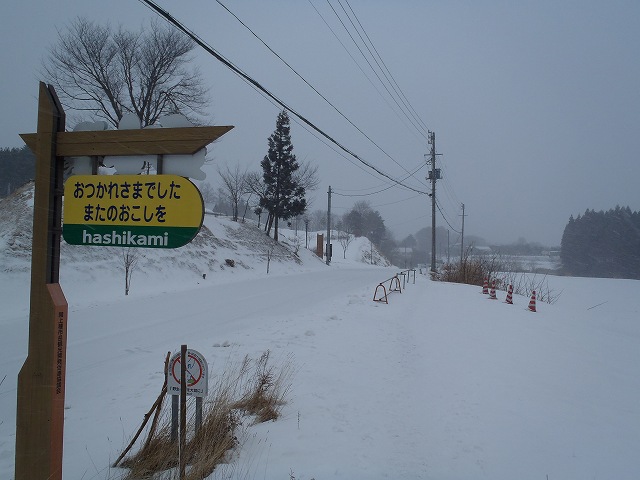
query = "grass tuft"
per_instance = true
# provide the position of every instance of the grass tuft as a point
(267, 391)
(256, 389)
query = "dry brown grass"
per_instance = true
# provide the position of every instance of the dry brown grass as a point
(256, 388)
(158, 455)
(266, 391)
(474, 270)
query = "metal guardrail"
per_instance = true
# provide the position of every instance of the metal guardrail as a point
(406, 275)
(394, 285)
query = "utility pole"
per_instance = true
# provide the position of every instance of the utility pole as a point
(462, 241)
(432, 177)
(329, 226)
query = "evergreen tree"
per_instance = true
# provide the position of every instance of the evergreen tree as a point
(602, 244)
(284, 196)
(365, 222)
(17, 167)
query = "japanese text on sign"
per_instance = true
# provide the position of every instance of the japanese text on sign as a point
(113, 190)
(133, 200)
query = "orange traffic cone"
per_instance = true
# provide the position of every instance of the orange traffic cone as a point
(509, 299)
(485, 286)
(492, 293)
(532, 302)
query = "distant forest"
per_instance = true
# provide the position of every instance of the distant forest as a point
(17, 167)
(602, 244)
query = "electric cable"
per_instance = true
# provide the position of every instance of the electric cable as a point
(378, 191)
(364, 56)
(445, 218)
(244, 76)
(389, 77)
(310, 85)
(393, 109)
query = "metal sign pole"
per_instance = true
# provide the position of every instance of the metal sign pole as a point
(183, 410)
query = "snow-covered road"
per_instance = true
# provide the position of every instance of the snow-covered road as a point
(441, 383)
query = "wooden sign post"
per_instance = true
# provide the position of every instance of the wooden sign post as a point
(40, 412)
(41, 381)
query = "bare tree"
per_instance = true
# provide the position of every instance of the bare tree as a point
(109, 73)
(208, 193)
(345, 238)
(234, 183)
(130, 258)
(246, 208)
(307, 176)
(256, 186)
(318, 220)
(258, 212)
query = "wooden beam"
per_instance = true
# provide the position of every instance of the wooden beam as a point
(40, 399)
(146, 141)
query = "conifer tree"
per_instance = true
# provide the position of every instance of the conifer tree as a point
(284, 196)
(602, 244)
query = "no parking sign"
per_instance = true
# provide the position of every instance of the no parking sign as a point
(197, 375)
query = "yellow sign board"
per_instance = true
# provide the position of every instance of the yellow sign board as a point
(154, 211)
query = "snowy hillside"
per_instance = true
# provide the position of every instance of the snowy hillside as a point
(101, 270)
(441, 383)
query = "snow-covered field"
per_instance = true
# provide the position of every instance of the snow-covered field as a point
(441, 383)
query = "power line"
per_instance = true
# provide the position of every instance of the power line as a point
(445, 218)
(344, 47)
(367, 60)
(309, 85)
(379, 191)
(257, 85)
(393, 203)
(394, 84)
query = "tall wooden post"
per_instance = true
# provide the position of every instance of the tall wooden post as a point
(41, 381)
(40, 409)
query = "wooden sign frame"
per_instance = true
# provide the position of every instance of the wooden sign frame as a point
(41, 381)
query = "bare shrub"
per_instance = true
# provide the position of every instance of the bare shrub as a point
(204, 450)
(254, 388)
(524, 284)
(130, 257)
(209, 446)
(473, 270)
(159, 454)
(266, 391)
(295, 242)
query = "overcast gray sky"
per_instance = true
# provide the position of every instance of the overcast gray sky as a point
(535, 104)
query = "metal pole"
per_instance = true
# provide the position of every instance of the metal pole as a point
(183, 412)
(462, 237)
(371, 243)
(175, 406)
(329, 226)
(432, 138)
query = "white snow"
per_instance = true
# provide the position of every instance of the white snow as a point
(441, 383)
